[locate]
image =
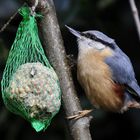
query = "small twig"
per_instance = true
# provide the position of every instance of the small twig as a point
(10, 19)
(8, 22)
(135, 16)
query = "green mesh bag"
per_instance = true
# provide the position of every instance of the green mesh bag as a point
(30, 86)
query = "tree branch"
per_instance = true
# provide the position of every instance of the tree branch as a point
(135, 16)
(53, 43)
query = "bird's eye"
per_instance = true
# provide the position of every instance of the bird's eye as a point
(94, 37)
(91, 44)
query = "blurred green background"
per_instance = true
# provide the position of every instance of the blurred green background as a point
(114, 18)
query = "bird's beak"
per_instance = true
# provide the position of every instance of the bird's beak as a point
(74, 32)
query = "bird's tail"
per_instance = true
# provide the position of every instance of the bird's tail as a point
(134, 91)
(132, 99)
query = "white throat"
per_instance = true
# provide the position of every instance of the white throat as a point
(85, 45)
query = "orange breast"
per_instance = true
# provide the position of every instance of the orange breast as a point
(96, 79)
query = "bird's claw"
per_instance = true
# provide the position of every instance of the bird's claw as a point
(80, 114)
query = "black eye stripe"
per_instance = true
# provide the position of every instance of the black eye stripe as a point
(93, 37)
(88, 35)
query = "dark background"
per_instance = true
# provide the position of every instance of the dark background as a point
(114, 18)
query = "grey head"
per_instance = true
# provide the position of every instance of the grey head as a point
(93, 38)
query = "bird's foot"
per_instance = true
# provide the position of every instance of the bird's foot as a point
(80, 114)
(71, 60)
(130, 104)
(134, 105)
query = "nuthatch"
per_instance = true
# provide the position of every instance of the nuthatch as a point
(105, 72)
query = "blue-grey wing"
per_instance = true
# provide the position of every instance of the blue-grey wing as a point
(123, 73)
(121, 67)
